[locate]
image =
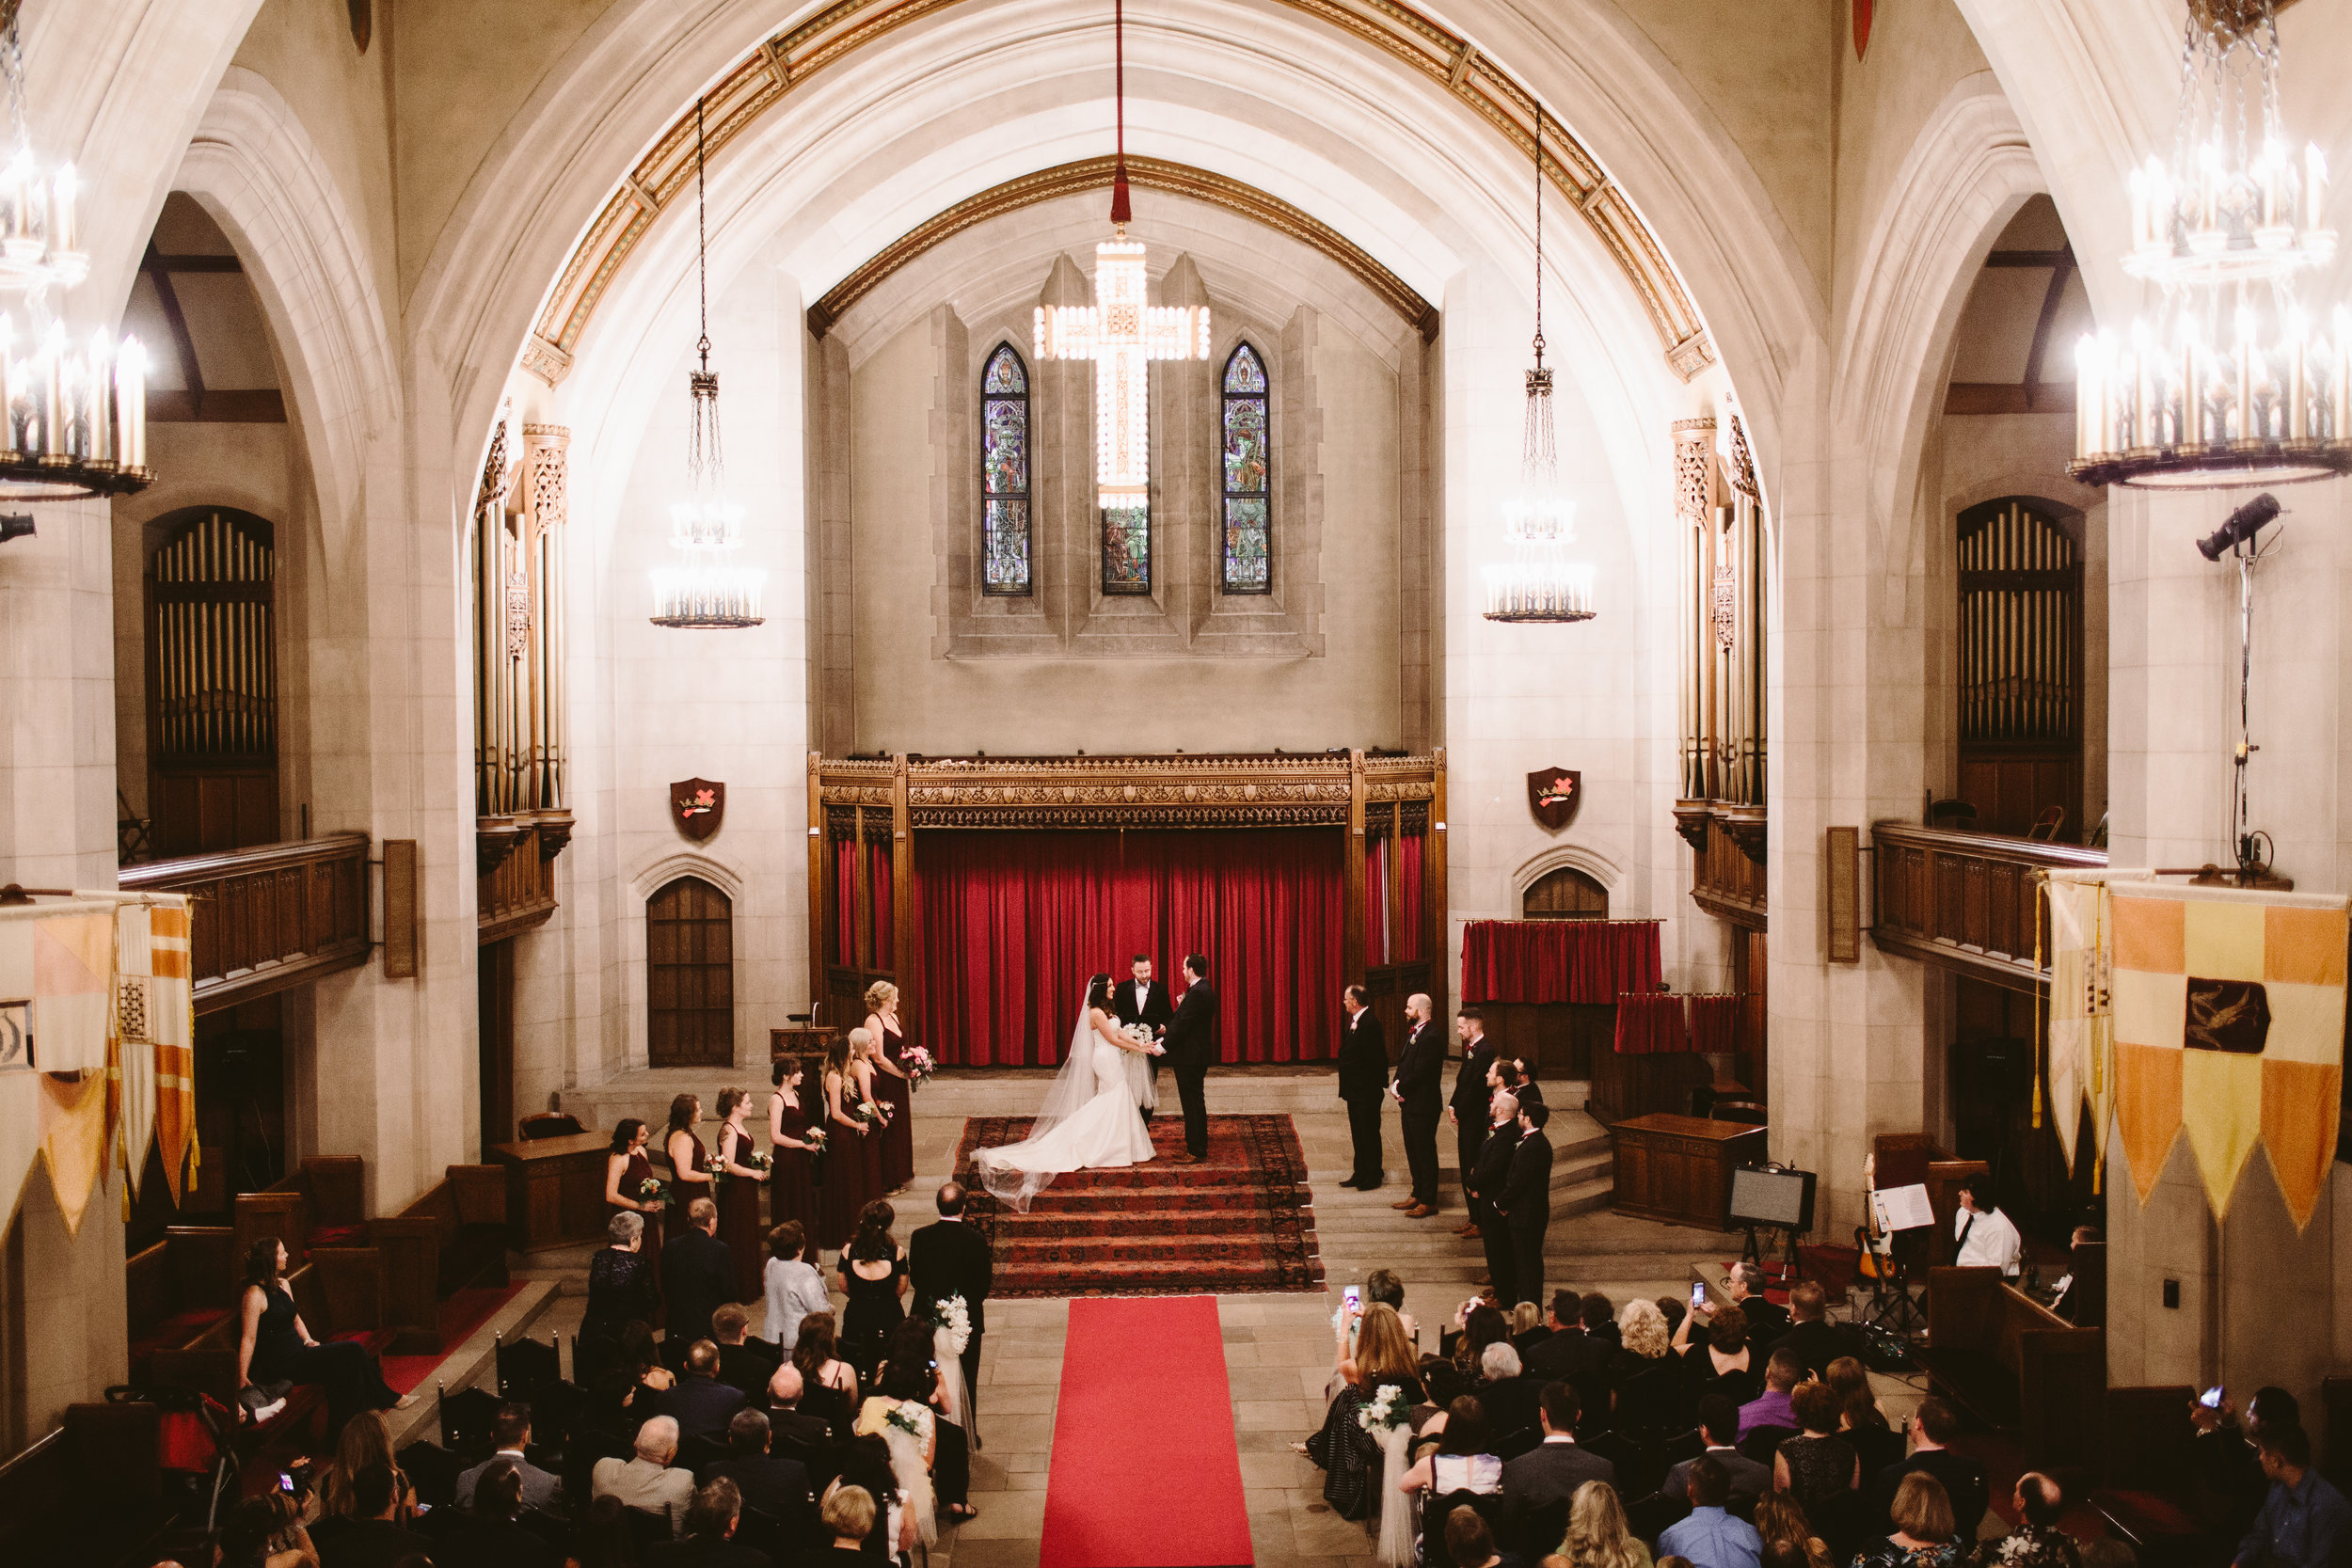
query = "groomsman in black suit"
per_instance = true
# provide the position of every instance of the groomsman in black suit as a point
(1191, 1041)
(1469, 1107)
(950, 1259)
(1144, 1000)
(1363, 1079)
(1482, 1184)
(1525, 1200)
(1420, 1068)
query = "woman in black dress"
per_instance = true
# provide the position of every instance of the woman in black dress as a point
(620, 1287)
(829, 1385)
(1718, 1358)
(275, 1349)
(844, 1191)
(626, 1172)
(874, 1277)
(690, 1162)
(1816, 1465)
(909, 1370)
(792, 1157)
(739, 1195)
(892, 1086)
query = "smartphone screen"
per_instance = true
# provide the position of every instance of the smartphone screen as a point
(1354, 1298)
(1699, 1295)
(2211, 1397)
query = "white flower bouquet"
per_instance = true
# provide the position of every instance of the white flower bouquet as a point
(1139, 1033)
(951, 1314)
(1387, 1411)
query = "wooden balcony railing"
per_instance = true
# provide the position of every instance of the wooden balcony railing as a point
(269, 916)
(515, 856)
(1727, 871)
(1966, 900)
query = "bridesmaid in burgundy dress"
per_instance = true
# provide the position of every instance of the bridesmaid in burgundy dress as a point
(791, 1177)
(844, 1195)
(865, 1054)
(739, 1196)
(690, 1162)
(626, 1172)
(892, 1086)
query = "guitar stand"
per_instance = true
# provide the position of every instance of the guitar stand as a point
(1892, 1307)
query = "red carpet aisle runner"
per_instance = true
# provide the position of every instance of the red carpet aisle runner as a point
(1145, 1472)
(461, 1314)
(1241, 1221)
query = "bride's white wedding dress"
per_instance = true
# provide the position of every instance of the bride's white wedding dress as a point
(1092, 1119)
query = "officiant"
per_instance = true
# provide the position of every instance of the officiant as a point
(1145, 1001)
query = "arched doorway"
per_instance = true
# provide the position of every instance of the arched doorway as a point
(690, 976)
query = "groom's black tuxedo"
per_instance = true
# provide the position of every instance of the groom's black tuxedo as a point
(1191, 1041)
(1146, 1003)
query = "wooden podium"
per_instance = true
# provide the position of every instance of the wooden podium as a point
(801, 1039)
(1678, 1168)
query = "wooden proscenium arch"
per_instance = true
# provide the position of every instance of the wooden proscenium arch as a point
(886, 800)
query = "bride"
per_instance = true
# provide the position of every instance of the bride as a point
(1091, 1119)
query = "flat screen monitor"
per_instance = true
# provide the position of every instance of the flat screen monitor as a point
(1782, 1197)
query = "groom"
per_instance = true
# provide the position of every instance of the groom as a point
(1191, 1041)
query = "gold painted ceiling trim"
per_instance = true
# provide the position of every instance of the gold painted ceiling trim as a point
(1150, 174)
(783, 62)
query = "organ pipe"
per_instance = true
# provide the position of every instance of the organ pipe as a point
(519, 740)
(211, 628)
(1719, 514)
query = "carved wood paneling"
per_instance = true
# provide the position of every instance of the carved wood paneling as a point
(1966, 901)
(518, 891)
(269, 917)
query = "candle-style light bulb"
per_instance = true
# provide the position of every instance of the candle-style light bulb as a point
(131, 402)
(63, 232)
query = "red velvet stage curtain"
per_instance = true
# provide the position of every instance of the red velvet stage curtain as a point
(1011, 924)
(880, 881)
(845, 900)
(1408, 944)
(1559, 960)
(1648, 1021)
(1715, 1022)
(1378, 867)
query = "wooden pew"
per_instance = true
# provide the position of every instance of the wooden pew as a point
(174, 1290)
(2149, 1491)
(452, 1237)
(2016, 1366)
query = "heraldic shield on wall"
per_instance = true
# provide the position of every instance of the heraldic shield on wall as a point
(1553, 793)
(697, 806)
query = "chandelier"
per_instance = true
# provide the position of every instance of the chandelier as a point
(1122, 334)
(74, 414)
(2228, 381)
(706, 528)
(1539, 583)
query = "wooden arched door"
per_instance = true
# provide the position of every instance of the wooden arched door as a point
(690, 976)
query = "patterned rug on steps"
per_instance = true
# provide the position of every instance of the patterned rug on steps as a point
(1241, 1221)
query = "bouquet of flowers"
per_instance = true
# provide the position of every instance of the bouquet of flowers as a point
(717, 1171)
(918, 1065)
(757, 1158)
(1139, 1033)
(1387, 1411)
(815, 1137)
(865, 1113)
(951, 1314)
(902, 1417)
(651, 1190)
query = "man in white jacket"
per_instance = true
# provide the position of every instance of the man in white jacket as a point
(1986, 1238)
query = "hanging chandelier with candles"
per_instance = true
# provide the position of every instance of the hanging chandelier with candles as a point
(705, 591)
(2229, 380)
(73, 405)
(1539, 583)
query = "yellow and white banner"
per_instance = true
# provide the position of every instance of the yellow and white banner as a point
(2082, 1012)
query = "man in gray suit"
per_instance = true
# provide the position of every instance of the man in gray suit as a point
(647, 1482)
(542, 1492)
(1718, 1424)
(1553, 1470)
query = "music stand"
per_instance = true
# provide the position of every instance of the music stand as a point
(1898, 1210)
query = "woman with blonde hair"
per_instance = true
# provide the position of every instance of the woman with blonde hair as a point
(894, 1089)
(865, 1075)
(739, 1194)
(843, 1196)
(1383, 1358)
(1924, 1532)
(1599, 1536)
(1788, 1538)
(1648, 1390)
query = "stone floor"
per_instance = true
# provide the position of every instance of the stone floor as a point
(1278, 1348)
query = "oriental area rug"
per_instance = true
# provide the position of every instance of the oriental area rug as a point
(1241, 1221)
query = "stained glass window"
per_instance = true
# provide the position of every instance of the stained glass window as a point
(1005, 473)
(1127, 549)
(1248, 557)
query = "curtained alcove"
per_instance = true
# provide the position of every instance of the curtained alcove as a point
(988, 891)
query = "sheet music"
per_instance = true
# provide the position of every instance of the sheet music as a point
(1903, 1208)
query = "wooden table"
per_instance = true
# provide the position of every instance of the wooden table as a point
(555, 1190)
(801, 1039)
(1678, 1168)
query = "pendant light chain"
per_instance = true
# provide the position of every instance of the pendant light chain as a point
(701, 236)
(1539, 233)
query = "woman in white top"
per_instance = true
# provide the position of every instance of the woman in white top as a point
(793, 1286)
(1465, 1460)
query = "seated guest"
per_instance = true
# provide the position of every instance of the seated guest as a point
(709, 1541)
(1924, 1537)
(794, 1289)
(541, 1492)
(865, 1466)
(1771, 1408)
(1962, 1478)
(1349, 1454)
(700, 1404)
(2305, 1522)
(374, 1538)
(493, 1539)
(1648, 1390)
(2226, 1451)
(1509, 1398)
(1465, 1460)
(1553, 1470)
(621, 1288)
(1383, 1286)
(365, 1440)
(1556, 1357)
(1674, 1309)
(274, 1349)
(646, 1481)
(828, 1384)
(849, 1517)
(1527, 1327)
(1811, 1338)
(1718, 1356)
(744, 1363)
(2037, 1541)
(787, 1420)
(604, 1539)
(1598, 1535)
(1983, 1236)
(1469, 1542)
(636, 1376)
(1710, 1537)
(1599, 1317)
(1719, 1428)
(1788, 1538)
(1767, 1320)
(2066, 1300)
(257, 1535)
(1816, 1465)
(776, 1486)
(1479, 1325)
(697, 1274)
(1860, 1421)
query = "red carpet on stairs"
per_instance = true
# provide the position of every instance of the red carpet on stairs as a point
(1145, 1472)
(461, 1314)
(1242, 1220)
